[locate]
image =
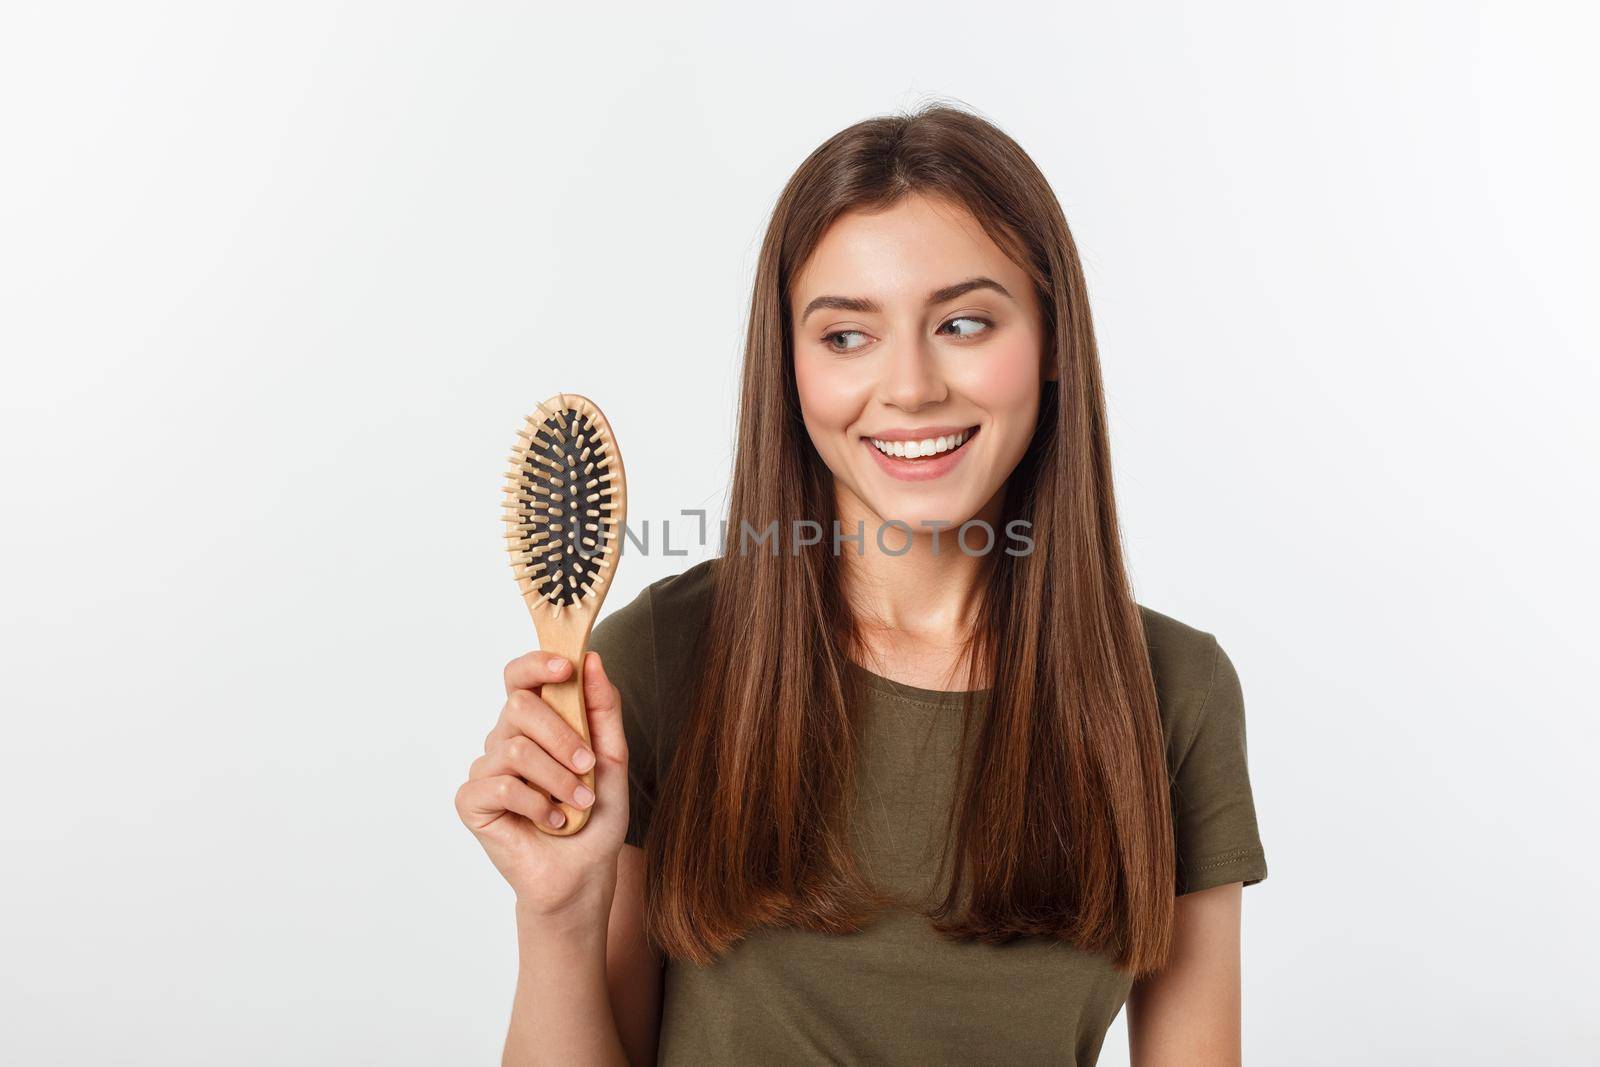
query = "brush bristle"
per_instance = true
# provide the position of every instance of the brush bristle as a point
(560, 508)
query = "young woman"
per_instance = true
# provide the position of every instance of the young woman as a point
(905, 775)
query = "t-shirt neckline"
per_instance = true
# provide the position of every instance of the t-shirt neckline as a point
(940, 698)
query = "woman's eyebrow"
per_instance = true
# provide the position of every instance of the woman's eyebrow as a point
(868, 307)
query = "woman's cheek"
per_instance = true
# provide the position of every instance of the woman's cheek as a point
(830, 400)
(1011, 378)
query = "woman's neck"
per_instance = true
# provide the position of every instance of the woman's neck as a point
(914, 610)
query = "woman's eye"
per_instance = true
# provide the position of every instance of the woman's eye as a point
(969, 318)
(828, 339)
(832, 340)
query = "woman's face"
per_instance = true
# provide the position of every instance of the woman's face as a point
(911, 326)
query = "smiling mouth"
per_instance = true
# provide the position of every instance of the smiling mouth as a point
(929, 448)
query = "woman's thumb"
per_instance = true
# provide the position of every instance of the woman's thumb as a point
(604, 704)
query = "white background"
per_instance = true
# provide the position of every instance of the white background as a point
(278, 281)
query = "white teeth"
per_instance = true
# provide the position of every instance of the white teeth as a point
(931, 446)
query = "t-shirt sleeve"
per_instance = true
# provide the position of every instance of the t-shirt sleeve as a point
(1214, 815)
(625, 640)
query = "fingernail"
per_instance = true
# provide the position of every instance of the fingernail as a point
(556, 818)
(583, 759)
(583, 796)
(558, 665)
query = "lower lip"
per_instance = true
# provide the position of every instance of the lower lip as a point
(919, 470)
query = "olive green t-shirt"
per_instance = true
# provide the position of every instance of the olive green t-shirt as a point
(899, 992)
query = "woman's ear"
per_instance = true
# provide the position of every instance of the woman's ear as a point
(1048, 371)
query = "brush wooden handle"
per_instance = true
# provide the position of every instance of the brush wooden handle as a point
(567, 700)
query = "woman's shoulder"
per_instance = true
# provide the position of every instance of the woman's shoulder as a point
(1215, 832)
(648, 642)
(661, 609)
(688, 590)
(1194, 677)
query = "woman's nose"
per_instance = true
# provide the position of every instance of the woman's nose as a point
(911, 376)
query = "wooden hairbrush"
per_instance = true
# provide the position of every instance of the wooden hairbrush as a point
(565, 502)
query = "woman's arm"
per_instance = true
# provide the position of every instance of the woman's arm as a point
(1188, 1013)
(588, 992)
(579, 898)
(633, 966)
(562, 1011)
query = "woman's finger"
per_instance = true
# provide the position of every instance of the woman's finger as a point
(533, 669)
(604, 703)
(503, 726)
(480, 801)
(528, 715)
(523, 757)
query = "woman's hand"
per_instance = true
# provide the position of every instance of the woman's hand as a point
(532, 755)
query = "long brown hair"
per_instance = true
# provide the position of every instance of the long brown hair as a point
(1061, 826)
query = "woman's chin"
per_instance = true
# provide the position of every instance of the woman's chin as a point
(924, 517)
